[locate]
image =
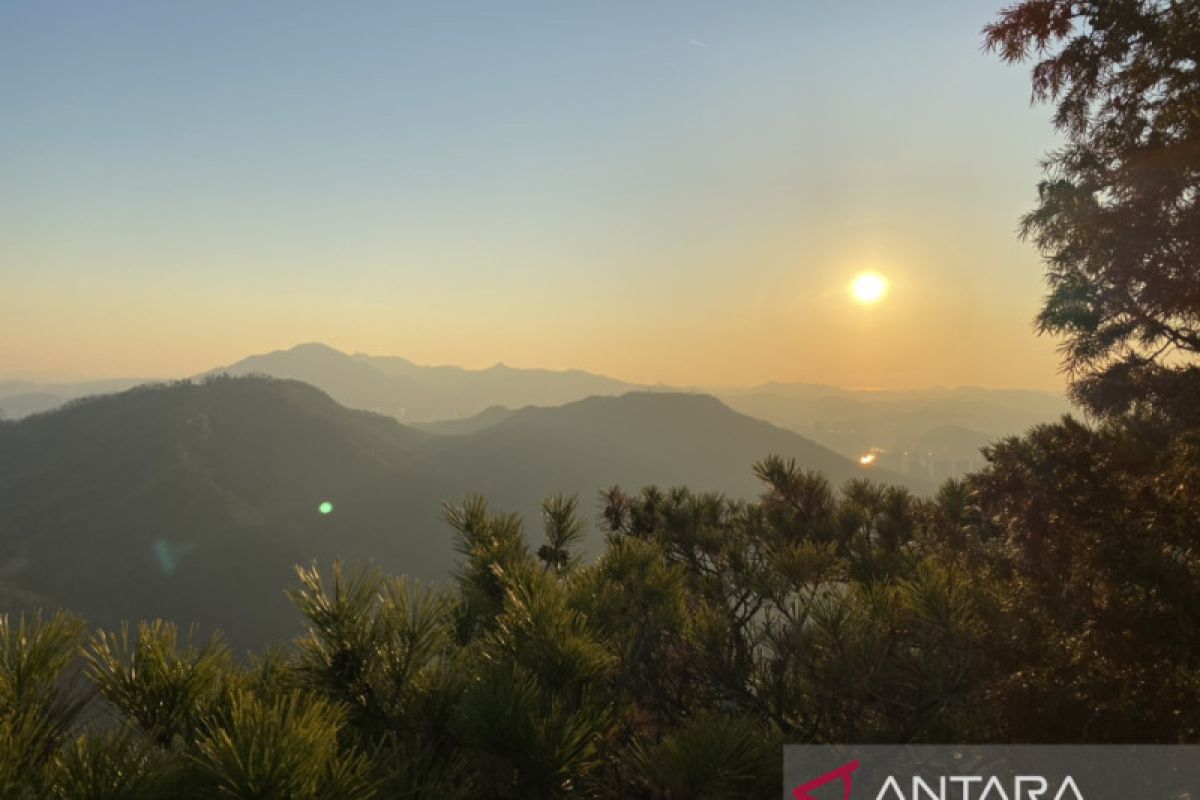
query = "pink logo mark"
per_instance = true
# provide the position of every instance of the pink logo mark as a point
(843, 772)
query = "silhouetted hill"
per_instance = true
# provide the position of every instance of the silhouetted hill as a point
(492, 415)
(192, 501)
(350, 382)
(415, 393)
(850, 422)
(450, 399)
(499, 385)
(636, 439)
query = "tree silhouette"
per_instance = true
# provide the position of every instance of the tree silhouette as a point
(1118, 215)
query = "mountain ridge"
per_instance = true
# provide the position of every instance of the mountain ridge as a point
(416, 393)
(887, 425)
(154, 501)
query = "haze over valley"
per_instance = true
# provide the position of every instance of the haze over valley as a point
(178, 491)
(927, 434)
(174, 488)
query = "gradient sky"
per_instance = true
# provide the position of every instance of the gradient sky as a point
(672, 192)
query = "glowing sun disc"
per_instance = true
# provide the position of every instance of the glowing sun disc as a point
(868, 288)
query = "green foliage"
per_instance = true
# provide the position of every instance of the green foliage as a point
(111, 766)
(24, 748)
(163, 688)
(39, 698)
(712, 757)
(409, 769)
(492, 547)
(529, 743)
(564, 530)
(374, 644)
(285, 748)
(540, 630)
(384, 650)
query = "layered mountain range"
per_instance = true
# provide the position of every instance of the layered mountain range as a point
(192, 500)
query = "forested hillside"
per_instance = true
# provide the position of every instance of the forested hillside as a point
(192, 501)
(707, 634)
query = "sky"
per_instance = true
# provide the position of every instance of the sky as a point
(671, 192)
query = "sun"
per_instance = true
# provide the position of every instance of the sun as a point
(868, 288)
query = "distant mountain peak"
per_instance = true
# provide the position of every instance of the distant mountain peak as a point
(320, 347)
(416, 393)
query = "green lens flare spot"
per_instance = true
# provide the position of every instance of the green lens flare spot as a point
(325, 507)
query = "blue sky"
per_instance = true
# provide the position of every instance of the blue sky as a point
(660, 191)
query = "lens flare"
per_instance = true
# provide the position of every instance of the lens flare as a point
(326, 507)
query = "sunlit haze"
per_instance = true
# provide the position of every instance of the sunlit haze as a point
(868, 288)
(668, 192)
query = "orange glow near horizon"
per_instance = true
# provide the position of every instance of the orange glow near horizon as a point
(761, 226)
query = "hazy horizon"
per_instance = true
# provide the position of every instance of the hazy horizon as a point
(675, 194)
(70, 378)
